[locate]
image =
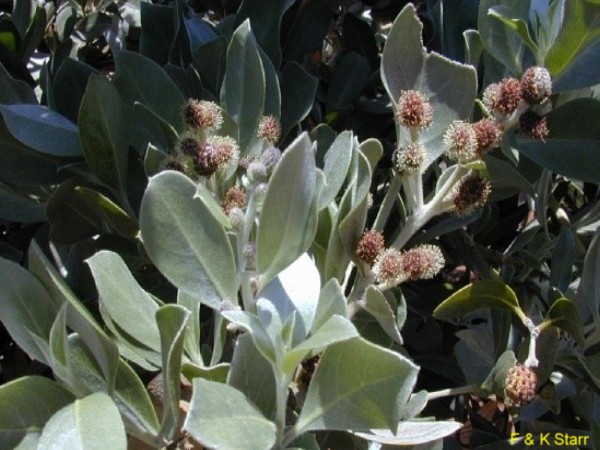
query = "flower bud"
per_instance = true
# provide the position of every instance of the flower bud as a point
(269, 129)
(189, 146)
(533, 126)
(237, 218)
(460, 141)
(206, 161)
(422, 262)
(202, 114)
(470, 193)
(520, 385)
(270, 157)
(503, 97)
(256, 171)
(409, 159)
(370, 245)
(250, 255)
(488, 134)
(414, 111)
(235, 197)
(536, 85)
(388, 267)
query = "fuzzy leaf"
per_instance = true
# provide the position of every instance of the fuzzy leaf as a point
(335, 167)
(379, 308)
(358, 386)
(243, 89)
(412, 433)
(216, 407)
(288, 218)
(450, 87)
(193, 252)
(20, 423)
(87, 421)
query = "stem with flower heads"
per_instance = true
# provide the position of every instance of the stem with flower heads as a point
(242, 240)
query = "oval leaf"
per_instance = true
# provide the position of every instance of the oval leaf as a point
(19, 422)
(288, 219)
(84, 425)
(481, 294)
(216, 407)
(187, 244)
(42, 129)
(357, 385)
(412, 433)
(563, 314)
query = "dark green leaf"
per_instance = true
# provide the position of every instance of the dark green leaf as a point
(518, 26)
(87, 421)
(157, 92)
(288, 218)
(13, 91)
(34, 35)
(588, 293)
(193, 252)
(171, 320)
(265, 17)
(158, 31)
(243, 90)
(298, 89)
(573, 146)
(210, 61)
(358, 37)
(572, 60)
(20, 208)
(69, 86)
(215, 407)
(42, 129)
(480, 294)
(563, 258)
(20, 423)
(495, 381)
(358, 386)
(347, 81)
(563, 314)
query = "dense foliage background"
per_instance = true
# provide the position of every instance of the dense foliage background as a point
(130, 293)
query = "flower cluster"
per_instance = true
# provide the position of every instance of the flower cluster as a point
(393, 267)
(470, 193)
(520, 385)
(414, 111)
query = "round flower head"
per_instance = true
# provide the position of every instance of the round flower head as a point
(235, 197)
(488, 134)
(202, 114)
(226, 148)
(206, 161)
(533, 126)
(369, 246)
(536, 85)
(520, 385)
(460, 141)
(257, 172)
(388, 267)
(503, 97)
(422, 262)
(409, 159)
(470, 193)
(414, 111)
(269, 129)
(237, 218)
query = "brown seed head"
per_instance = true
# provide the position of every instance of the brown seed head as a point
(520, 385)
(369, 246)
(533, 126)
(536, 85)
(173, 164)
(269, 129)
(471, 193)
(414, 111)
(460, 141)
(488, 134)
(202, 114)
(189, 146)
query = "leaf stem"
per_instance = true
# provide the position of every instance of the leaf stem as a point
(451, 392)
(388, 203)
(242, 240)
